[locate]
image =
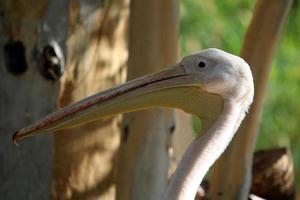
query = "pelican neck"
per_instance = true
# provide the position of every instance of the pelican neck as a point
(203, 152)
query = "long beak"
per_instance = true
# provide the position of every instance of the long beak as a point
(168, 88)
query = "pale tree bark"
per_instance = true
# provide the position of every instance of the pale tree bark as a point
(37, 38)
(183, 135)
(232, 173)
(143, 155)
(28, 90)
(97, 55)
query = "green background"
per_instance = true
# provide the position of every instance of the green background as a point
(222, 24)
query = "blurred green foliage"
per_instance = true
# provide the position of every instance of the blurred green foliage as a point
(222, 24)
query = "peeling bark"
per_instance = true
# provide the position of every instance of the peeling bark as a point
(26, 172)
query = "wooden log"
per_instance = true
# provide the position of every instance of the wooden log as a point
(273, 174)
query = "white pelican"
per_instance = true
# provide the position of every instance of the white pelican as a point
(212, 84)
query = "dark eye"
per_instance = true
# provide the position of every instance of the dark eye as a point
(201, 64)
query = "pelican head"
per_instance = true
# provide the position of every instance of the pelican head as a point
(220, 73)
(199, 84)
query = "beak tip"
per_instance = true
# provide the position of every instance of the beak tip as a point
(15, 138)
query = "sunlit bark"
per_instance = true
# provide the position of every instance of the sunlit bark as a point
(97, 53)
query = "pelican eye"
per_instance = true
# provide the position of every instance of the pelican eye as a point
(201, 64)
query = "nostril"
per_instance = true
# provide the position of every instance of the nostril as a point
(14, 57)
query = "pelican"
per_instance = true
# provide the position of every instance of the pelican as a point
(212, 84)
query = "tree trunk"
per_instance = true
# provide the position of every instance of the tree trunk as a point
(97, 55)
(232, 173)
(143, 155)
(31, 61)
(37, 38)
